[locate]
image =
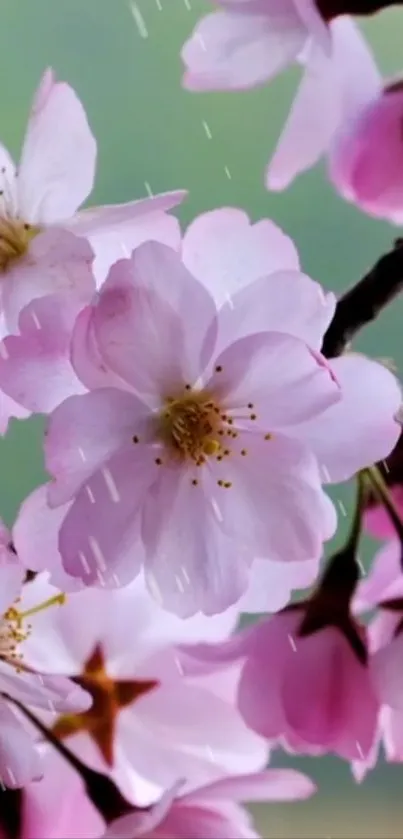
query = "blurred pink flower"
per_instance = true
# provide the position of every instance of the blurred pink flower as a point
(149, 724)
(366, 161)
(19, 761)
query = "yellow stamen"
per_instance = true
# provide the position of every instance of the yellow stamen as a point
(58, 599)
(15, 238)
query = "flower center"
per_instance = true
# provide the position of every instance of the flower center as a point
(192, 426)
(15, 237)
(13, 632)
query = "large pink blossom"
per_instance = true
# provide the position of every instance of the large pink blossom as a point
(165, 461)
(149, 724)
(366, 162)
(46, 246)
(19, 760)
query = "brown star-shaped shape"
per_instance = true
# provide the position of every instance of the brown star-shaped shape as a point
(109, 697)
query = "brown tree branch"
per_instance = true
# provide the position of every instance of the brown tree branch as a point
(365, 301)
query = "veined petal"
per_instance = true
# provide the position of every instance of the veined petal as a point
(361, 428)
(84, 432)
(59, 154)
(276, 374)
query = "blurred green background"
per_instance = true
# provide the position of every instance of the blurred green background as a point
(150, 131)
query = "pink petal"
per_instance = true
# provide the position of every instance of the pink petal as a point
(387, 672)
(267, 650)
(329, 705)
(359, 430)
(275, 505)
(19, 761)
(35, 536)
(269, 785)
(234, 51)
(86, 358)
(35, 367)
(139, 824)
(385, 571)
(8, 410)
(377, 520)
(366, 161)
(276, 373)
(285, 300)
(147, 305)
(54, 693)
(84, 432)
(57, 262)
(271, 584)
(99, 539)
(393, 734)
(178, 726)
(64, 636)
(114, 231)
(331, 90)
(58, 806)
(191, 565)
(58, 158)
(226, 252)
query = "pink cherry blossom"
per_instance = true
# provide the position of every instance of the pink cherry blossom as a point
(175, 488)
(19, 761)
(366, 162)
(161, 726)
(46, 246)
(312, 694)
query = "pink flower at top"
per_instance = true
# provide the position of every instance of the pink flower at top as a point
(19, 759)
(247, 42)
(366, 162)
(46, 246)
(149, 725)
(59, 807)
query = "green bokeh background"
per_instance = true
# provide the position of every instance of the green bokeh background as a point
(150, 131)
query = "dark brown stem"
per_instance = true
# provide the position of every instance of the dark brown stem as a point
(101, 790)
(363, 303)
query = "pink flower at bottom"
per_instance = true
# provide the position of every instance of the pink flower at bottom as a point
(19, 760)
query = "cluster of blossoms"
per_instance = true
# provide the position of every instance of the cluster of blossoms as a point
(199, 397)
